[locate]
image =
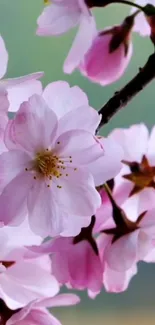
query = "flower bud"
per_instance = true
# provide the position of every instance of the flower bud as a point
(109, 55)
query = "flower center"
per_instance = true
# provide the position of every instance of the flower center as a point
(142, 175)
(46, 164)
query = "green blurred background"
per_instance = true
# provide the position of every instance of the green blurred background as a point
(29, 53)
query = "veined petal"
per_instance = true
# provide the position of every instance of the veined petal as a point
(70, 99)
(35, 125)
(15, 193)
(57, 19)
(83, 40)
(77, 193)
(80, 144)
(122, 254)
(12, 163)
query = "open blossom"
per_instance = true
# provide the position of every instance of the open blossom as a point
(60, 16)
(109, 54)
(23, 279)
(48, 172)
(137, 175)
(14, 91)
(79, 259)
(35, 312)
(125, 241)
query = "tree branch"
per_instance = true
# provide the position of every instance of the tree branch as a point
(124, 96)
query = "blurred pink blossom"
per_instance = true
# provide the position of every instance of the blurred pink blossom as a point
(60, 16)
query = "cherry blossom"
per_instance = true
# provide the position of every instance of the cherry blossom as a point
(109, 55)
(124, 241)
(136, 178)
(53, 169)
(16, 90)
(79, 259)
(60, 16)
(23, 279)
(35, 311)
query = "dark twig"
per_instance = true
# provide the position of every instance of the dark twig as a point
(125, 95)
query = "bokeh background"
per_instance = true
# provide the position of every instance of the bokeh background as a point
(29, 53)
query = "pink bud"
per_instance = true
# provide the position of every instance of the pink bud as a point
(109, 55)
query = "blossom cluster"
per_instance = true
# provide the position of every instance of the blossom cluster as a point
(100, 55)
(76, 209)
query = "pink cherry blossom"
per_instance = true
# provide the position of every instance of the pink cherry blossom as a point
(114, 281)
(108, 56)
(123, 245)
(49, 173)
(18, 89)
(59, 17)
(23, 279)
(78, 257)
(141, 24)
(36, 313)
(81, 265)
(74, 112)
(136, 178)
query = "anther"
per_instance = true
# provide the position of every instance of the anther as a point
(26, 169)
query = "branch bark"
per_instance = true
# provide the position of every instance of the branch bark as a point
(124, 96)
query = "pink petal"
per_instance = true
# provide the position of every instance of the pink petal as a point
(83, 40)
(137, 134)
(117, 281)
(20, 93)
(67, 299)
(78, 194)
(58, 19)
(4, 58)
(122, 254)
(45, 214)
(70, 99)
(84, 117)
(15, 193)
(81, 145)
(150, 150)
(11, 164)
(104, 169)
(35, 125)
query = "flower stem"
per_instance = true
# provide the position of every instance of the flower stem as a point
(122, 97)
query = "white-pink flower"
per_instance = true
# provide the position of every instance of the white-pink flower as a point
(23, 279)
(60, 16)
(49, 171)
(76, 261)
(35, 312)
(14, 91)
(125, 242)
(109, 55)
(135, 182)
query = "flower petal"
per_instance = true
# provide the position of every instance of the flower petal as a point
(122, 254)
(58, 19)
(70, 99)
(15, 193)
(83, 40)
(34, 125)
(4, 58)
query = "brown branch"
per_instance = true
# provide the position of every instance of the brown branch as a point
(124, 96)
